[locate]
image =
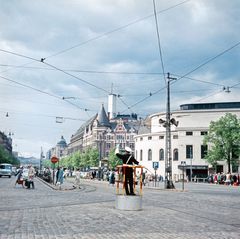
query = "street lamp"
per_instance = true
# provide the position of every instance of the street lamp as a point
(183, 163)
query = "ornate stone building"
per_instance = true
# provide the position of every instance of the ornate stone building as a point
(105, 131)
(59, 150)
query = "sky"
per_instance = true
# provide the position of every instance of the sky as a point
(61, 58)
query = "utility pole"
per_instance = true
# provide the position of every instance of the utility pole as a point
(168, 146)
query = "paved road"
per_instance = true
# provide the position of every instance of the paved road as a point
(202, 211)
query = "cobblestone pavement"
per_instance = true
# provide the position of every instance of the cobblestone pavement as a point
(202, 211)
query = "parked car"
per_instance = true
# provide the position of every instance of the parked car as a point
(6, 170)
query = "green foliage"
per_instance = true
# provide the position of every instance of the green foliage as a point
(113, 160)
(78, 159)
(6, 157)
(224, 138)
(47, 163)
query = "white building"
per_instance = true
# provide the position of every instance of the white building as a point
(186, 138)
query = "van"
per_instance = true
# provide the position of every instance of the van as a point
(6, 170)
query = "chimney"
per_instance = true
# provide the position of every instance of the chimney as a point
(112, 105)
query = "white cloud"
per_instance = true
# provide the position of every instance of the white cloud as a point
(190, 34)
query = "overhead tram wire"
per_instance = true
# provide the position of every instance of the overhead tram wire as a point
(86, 71)
(117, 29)
(43, 92)
(215, 93)
(78, 78)
(208, 61)
(190, 78)
(188, 73)
(54, 67)
(108, 33)
(159, 41)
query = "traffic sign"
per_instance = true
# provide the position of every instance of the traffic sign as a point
(54, 159)
(155, 165)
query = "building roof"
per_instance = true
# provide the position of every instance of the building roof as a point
(102, 118)
(203, 106)
(62, 142)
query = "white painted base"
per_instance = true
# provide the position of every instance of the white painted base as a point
(129, 203)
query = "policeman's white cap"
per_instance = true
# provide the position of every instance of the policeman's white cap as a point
(128, 149)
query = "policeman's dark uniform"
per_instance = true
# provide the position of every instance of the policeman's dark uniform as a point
(128, 159)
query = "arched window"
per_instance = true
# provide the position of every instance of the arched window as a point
(149, 155)
(161, 154)
(175, 154)
(141, 155)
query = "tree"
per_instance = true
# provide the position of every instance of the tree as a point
(224, 138)
(93, 157)
(113, 160)
(6, 157)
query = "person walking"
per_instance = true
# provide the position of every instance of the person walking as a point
(19, 179)
(60, 178)
(31, 175)
(112, 178)
(128, 159)
(77, 178)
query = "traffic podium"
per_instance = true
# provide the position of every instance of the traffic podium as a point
(129, 202)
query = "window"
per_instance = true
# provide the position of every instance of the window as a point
(150, 138)
(161, 137)
(149, 155)
(175, 154)
(204, 149)
(175, 136)
(189, 151)
(141, 155)
(141, 139)
(189, 133)
(161, 154)
(204, 132)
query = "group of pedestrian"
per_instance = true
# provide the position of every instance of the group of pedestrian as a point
(25, 177)
(226, 179)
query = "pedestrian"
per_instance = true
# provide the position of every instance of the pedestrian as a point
(60, 178)
(31, 175)
(144, 178)
(112, 178)
(128, 159)
(77, 178)
(58, 169)
(19, 179)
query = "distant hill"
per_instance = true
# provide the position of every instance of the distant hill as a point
(30, 160)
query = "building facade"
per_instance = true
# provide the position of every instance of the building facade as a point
(186, 139)
(6, 142)
(60, 150)
(105, 131)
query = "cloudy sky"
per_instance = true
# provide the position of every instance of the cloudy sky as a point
(93, 47)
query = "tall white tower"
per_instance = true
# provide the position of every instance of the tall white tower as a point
(112, 105)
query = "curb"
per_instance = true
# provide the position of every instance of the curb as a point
(54, 187)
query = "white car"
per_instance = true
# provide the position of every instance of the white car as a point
(6, 170)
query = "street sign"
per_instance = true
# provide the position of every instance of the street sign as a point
(155, 165)
(54, 159)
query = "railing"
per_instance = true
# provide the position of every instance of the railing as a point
(120, 179)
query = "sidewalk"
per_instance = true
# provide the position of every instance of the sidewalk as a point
(67, 185)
